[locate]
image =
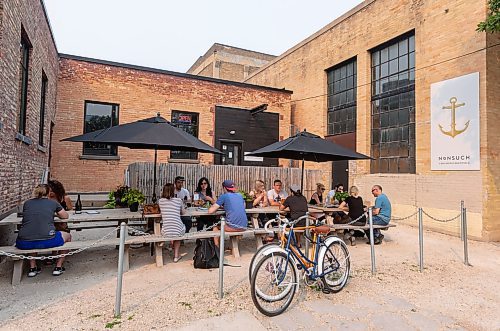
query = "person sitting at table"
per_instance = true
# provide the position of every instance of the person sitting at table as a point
(330, 197)
(297, 204)
(171, 209)
(37, 228)
(355, 206)
(259, 196)
(58, 193)
(234, 206)
(183, 194)
(204, 192)
(276, 194)
(317, 197)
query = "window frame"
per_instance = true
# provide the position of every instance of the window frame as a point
(43, 100)
(113, 150)
(342, 113)
(25, 49)
(178, 155)
(392, 118)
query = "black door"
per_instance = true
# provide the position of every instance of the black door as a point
(232, 153)
(340, 173)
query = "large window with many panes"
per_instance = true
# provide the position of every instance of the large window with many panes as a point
(188, 122)
(342, 98)
(98, 116)
(393, 106)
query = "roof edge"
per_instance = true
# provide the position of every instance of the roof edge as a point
(171, 73)
(44, 9)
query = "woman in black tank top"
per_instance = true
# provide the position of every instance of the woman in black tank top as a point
(317, 197)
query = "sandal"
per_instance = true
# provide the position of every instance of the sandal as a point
(176, 259)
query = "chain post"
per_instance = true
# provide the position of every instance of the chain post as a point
(372, 240)
(119, 280)
(421, 239)
(462, 220)
(221, 257)
(466, 249)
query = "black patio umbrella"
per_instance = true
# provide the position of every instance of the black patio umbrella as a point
(306, 146)
(151, 133)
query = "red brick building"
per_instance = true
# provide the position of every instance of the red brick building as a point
(130, 93)
(28, 85)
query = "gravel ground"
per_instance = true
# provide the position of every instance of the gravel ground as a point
(448, 295)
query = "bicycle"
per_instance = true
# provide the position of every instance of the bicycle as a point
(274, 268)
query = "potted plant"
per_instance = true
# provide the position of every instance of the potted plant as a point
(341, 196)
(133, 198)
(248, 199)
(115, 198)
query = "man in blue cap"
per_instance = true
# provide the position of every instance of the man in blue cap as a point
(234, 205)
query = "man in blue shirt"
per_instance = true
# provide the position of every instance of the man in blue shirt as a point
(381, 212)
(234, 206)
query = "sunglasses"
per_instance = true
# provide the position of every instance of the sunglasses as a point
(322, 189)
(375, 189)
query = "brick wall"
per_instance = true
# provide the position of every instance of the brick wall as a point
(140, 94)
(231, 63)
(491, 177)
(23, 164)
(444, 32)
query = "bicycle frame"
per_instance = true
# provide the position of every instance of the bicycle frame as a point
(292, 250)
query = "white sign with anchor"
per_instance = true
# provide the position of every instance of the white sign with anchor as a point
(455, 124)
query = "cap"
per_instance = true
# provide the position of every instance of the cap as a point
(229, 185)
(179, 178)
(295, 188)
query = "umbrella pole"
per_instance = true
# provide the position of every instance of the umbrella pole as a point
(302, 179)
(154, 176)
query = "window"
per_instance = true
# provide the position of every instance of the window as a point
(393, 107)
(188, 122)
(25, 49)
(42, 109)
(342, 98)
(99, 115)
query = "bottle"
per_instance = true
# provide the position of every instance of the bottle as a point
(78, 205)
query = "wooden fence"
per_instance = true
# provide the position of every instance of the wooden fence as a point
(140, 176)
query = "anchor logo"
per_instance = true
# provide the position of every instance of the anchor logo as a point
(453, 132)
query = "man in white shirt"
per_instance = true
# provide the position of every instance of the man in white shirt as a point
(276, 194)
(183, 194)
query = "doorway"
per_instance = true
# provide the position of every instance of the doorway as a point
(340, 173)
(232, 153)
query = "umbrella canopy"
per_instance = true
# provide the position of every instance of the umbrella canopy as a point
(306, 146)
(151, 133)
(309, 147)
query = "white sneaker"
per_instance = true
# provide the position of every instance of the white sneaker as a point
(58, 271)
(34, 271)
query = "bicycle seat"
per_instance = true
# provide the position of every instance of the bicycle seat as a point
(322, 229)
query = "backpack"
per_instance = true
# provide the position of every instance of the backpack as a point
(206, 254)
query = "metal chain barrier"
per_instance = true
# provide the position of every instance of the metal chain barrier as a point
(440, 220)
(52, 257)
(395, 218)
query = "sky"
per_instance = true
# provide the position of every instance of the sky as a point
(171, 35)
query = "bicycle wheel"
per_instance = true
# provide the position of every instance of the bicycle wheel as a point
(257, 256)
(336, 266)
(274, 283)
